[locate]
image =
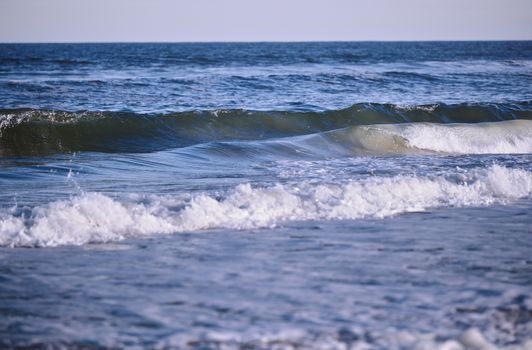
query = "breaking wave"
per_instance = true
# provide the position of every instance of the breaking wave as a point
(482, 138)
(97, 218)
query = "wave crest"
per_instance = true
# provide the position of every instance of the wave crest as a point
(97, 218)
(29, 132)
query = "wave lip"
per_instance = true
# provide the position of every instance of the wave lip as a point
(98, 218)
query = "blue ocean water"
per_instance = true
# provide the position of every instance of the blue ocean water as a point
(266, 195)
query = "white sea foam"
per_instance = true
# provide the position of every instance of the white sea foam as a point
(10, 119)
(95, 217)
(513, 136)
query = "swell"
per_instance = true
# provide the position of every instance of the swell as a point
(35, 132)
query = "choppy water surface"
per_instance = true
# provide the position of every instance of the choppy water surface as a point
(270, 196)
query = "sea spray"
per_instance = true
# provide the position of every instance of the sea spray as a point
(97, 218)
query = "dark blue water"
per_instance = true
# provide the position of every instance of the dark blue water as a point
(155, 78)
(266, 195)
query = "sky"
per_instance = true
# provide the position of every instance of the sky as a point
(263, 20)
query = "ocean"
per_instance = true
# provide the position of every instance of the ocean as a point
(334, 195)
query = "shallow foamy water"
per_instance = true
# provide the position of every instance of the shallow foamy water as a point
(439, 278)
(345, 253)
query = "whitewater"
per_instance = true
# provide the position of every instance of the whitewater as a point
(96, 218)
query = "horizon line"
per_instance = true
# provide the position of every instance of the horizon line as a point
(260, 41)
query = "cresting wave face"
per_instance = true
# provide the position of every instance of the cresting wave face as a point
(508, 137)
(36, 132)
(97, 218)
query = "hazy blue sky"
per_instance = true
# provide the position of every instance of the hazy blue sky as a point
(263, 20)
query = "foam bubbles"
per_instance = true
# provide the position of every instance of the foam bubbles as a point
(97, 218)
(506, 137)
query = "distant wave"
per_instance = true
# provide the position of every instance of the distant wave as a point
(34, 132)
(96, 218)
